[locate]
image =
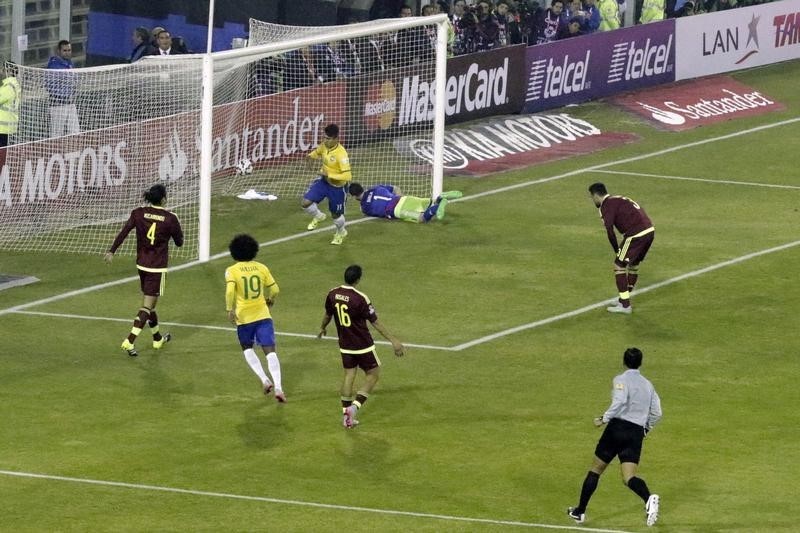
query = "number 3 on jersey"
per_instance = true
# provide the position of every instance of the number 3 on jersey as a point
(151, 233)
(344, 318)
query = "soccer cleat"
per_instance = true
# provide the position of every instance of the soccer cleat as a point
(452, 195)
(165, 338)
(619, 309)
(267, 387)
(442, 201)
(579, 518)
(316, 220)
(280, 396)
(349, 419)
(652, 509)
(128, 347)
(338, 237)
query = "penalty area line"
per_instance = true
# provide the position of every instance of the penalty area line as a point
(703, 180)
(596, 305)
(264, 499)
(215, 328)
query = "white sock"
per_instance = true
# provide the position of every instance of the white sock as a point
(313, 210)
(255, 363)
(339, 223)
(274, 370)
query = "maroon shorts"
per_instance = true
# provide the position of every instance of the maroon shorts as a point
(364, 361)
(152, 283)
(634, 249)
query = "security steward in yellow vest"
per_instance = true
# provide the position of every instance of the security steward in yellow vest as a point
(9, 104)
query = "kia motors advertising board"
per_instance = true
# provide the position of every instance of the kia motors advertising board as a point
(737, 38)
(694, 103)
(597, 65)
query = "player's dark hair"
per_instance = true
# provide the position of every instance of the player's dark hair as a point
(243, 247)
(632, 358)
(155, 195)
(597, 188)
(331, 130)
(352, 274)
(356, 189)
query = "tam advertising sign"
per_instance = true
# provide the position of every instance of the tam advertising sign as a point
(737, 38)
(583, 68)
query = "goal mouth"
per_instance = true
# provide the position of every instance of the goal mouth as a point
(91, 141)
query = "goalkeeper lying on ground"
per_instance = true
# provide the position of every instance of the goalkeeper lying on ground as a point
(385, 201)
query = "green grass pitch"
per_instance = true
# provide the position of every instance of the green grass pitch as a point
(481, 427)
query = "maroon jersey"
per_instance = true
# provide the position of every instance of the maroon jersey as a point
(625, 215)
(350, 310)
(154, 228)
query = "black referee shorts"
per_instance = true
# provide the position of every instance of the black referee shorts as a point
(620, 438)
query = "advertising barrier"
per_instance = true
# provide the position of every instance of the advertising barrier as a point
(597, 65)
(737, 38)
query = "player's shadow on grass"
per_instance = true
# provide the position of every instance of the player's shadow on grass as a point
(158, 384)
(264, 425)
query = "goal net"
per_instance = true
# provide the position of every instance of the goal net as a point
(91, 141)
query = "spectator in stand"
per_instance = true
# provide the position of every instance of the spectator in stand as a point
(550, 23)
(683, 8)
(591, 21)
(141, 44)
(165, 47)
(609, 15)
(652, 11)
(516, 27)
(62, 87)
(154, 36)
(299, 69)
(719, 5)
(572, 9)
(572, 29)
(500, 14)
(459, 8)
(487, 30)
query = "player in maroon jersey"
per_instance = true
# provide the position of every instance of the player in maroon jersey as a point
(350, 310)
(637, 235)
(155, 226)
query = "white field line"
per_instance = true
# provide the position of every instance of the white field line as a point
(301, 503)
(183, 266)
(576, 312)
(230, 329)
(704, 180)
(630, 159)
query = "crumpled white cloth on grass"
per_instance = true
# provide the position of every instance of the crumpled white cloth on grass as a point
(253, 194)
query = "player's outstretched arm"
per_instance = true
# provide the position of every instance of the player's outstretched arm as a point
(399, 349)
(325, 321)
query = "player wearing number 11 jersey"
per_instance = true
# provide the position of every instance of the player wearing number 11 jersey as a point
(250, 291)
(351, 309)
(155, 226)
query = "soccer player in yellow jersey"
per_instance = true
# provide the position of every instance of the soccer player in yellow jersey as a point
(331, 183)
(250, 291)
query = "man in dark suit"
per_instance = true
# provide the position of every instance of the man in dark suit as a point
(165, 47)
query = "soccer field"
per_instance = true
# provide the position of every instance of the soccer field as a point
(486, 424)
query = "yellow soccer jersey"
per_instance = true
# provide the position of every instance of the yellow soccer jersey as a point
(248, 285)
(335, 164)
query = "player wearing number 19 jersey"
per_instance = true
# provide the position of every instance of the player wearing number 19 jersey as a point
(155, 226)
(250, 291)
(627, 217)
(351, 309)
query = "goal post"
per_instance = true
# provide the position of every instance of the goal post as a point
(188, 121)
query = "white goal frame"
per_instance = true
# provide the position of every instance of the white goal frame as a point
(344, 32)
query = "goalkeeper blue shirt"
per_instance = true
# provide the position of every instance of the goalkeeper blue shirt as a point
(379, 201)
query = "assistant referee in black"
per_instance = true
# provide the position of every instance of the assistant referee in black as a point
(635, 409)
